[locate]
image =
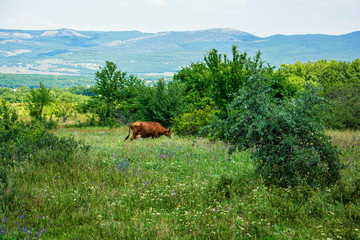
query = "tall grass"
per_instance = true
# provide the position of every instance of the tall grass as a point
(178, 188)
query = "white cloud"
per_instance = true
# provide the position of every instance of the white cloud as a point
(352, 3)
(159, 2)
(211, 5)
(259, 17)
(29, 22)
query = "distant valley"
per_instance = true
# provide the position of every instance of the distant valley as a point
(71, 52)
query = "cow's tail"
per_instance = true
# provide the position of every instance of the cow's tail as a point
(127, 135)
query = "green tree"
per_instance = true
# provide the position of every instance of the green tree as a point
(345, 108)
(130, 106)
(286, 135)
(161, 102)
(340, 82)
(215, 81)
(37, 99)
(108, 91)
(113, 93)
(21, 93)
(7, 94)
(64, 106)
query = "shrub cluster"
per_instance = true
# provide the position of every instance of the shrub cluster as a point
(192, 123)
(21, 142)
(286, 136)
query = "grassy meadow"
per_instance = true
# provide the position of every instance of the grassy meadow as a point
(178, 188)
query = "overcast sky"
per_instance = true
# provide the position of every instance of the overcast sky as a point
(258, 17)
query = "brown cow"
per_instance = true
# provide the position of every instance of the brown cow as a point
(147, 129)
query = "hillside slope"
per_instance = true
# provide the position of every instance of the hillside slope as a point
(67, 51)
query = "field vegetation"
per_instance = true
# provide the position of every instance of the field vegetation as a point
(256, 153)
(179, 188)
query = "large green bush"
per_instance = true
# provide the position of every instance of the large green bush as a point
(192, 123)
(286, 136)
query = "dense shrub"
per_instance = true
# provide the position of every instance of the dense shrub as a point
(21, 142)
(286, 135)
(8, 115)
(341, 84)
(345, 112)
(25, 141)
(192, 123)
(161, 102)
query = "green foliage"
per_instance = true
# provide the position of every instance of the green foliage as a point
(217, 80)
(108, 91)
(7, 121)
(12, 96)
(113, 91)
(161, 102)
(286, 135)
(8, 115)
(64, 106)
(37, 100)
(325, 72)
(16, 81)
(345, 112)
(80, 90)
(340, 81)
(196, 88)
(20, 142)
(27, 142)
(193, 122)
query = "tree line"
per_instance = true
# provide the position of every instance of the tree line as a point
(203, 89)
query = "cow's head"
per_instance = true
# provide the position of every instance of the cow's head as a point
(168, 133)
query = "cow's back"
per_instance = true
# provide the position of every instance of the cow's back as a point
(151, 127)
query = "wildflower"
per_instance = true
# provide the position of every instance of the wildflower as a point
(3, 230)
(249, 234)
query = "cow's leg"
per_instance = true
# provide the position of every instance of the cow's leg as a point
(135, 133)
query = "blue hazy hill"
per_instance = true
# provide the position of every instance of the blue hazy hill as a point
(67, 51)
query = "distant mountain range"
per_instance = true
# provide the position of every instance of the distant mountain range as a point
(67, 51)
